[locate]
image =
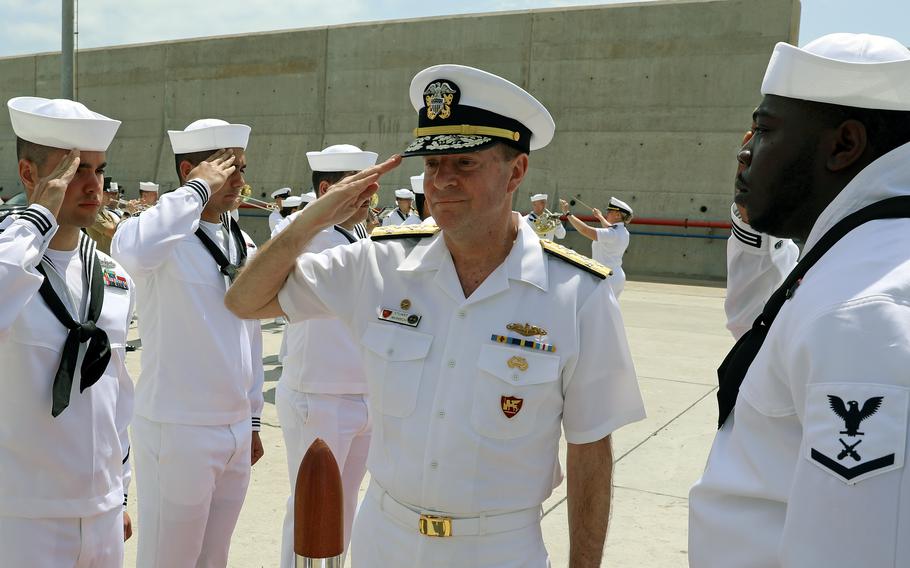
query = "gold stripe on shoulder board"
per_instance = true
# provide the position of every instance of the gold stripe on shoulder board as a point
(579, 260)
(404, 232)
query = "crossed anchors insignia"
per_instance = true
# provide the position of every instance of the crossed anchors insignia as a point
(438, 97)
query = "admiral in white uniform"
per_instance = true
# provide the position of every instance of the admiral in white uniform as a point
(609, 241)
(809, 468)
(199, 396)
(322, 389)
(538, 207)
(275, 217)
(480, 346)
(67, 400)
(403, 214)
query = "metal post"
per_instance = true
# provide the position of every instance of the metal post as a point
(67, 55)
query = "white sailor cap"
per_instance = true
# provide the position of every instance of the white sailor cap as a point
(114, 187)
(283, 192)
(292, 201)
(309, 197)
(619, 205)
(61, 123)
(540, 197)
(855, 70)
(404, 193)
(148, 186)
(417, 184)
(209, 134)
(341, 158)
(463, 109)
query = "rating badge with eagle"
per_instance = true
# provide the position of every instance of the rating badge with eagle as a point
(855, 431)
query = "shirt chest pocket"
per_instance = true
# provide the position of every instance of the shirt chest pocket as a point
(394, 360)
(511, 388)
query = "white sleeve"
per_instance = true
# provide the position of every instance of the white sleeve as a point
(24, 237)
(124, 409)
(255, 393)
(560, 231)
(756, 265)
(849, 485)
(601, 391)
(330, 283)
(144, 242)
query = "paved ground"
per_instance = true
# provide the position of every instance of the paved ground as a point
(677, 337)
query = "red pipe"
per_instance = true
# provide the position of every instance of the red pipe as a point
(685, 223)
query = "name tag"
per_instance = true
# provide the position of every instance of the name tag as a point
(399, 317)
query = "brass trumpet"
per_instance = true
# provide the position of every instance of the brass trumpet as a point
(246, 196)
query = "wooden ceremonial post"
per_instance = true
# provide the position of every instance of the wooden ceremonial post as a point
(318, 510)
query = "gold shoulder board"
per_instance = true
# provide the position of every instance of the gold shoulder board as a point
(579, 260)
(404, 232)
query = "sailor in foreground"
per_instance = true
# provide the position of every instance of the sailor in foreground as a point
(609, 241)
(322, 390)
(480, 342)
(275, 217)
(199, 396)
(808, 466)
(545, 223)
(403, 214)
(67, 398)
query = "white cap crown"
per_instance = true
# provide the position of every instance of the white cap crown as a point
(341, 158)
(61, 123)
(209, 134)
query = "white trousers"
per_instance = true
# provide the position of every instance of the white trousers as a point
(342, 421)
(617, 281)
(191, 483)
(380, 541)
(88, 542)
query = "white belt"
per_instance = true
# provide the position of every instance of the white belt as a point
(437, 524)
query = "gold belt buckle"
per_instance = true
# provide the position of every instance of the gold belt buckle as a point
(435, 526)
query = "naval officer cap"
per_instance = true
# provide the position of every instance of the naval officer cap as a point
(209, 134)
(463, 109)
(619, 205)
(417, 184)
(404, 193)
(292, 201)
(61, 123)
(149, 186)
(854, 70)
(540, 197)
(341, 158)
(283, 192)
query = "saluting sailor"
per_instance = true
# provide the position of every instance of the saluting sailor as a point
(199, 396)
(275, 217)
(480, 342)
(322, 389)
(67, 398)
(808, 467)
(148, 193)
(542, 221)
(403, 214)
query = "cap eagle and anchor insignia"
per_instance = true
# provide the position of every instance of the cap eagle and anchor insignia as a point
(853, 435)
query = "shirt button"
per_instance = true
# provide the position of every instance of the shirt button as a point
(462, 313)
(434, 464)
(452, 363)
(514, 376)
(441, 414)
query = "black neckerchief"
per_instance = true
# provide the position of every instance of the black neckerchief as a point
(733, 370)
(347, 234)
(98, 352)
(224, 264)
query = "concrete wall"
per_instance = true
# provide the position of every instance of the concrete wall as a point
(650, 102)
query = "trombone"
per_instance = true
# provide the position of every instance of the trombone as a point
(246, 196)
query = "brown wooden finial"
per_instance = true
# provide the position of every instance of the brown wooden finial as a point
(318, 505)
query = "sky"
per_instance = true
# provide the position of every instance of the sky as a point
(33, 26)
